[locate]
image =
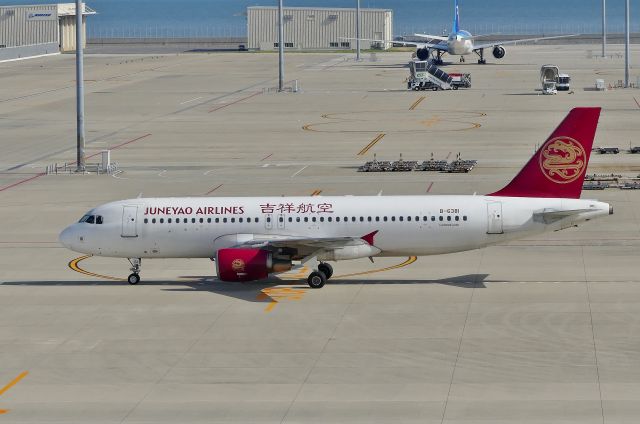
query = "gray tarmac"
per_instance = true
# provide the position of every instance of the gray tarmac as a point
(542, 330)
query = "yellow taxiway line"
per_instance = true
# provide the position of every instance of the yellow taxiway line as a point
(417, 103)
(13, 382)
(74, 266)
(370, 145)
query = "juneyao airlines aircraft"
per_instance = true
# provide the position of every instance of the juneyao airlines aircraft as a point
(460, 43)
(252, 237)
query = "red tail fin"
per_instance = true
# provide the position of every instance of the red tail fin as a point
(558, 167)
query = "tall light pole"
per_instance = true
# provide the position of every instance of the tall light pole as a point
(626, 44)
(604, 28)
(80, 165)
(358, 30)
(280, 47)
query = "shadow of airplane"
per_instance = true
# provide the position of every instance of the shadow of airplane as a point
(257, 291)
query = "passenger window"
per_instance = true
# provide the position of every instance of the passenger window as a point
(424, 218)
(433, 218)
(401, 218)
(146, 221)
(153, 221)
(290, 219)
(280, 219)
(268, 219)
(313, 219)
(440, 218)
(248, 219)
(208, 220)
(408, 218)
(233, 220)
(393, 218)
(464, 218)
(361, 219)
(162, 220)
(224, 220)
(337, 219)
(369, 218)
(169, 221)
(377, 219)
(448, 218)
(384, 218)
(417, 218)
(329, 219)
(193, 220)
(297, 219)
(217, 220)
(257, 220)
(306, 219)
(457, 218)
(321, 219)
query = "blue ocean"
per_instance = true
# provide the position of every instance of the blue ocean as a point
(219, 18)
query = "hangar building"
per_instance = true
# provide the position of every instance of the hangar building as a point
(317, 28)
(27, 31)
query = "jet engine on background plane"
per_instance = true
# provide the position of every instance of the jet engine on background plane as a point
(499, 52)
(423, 54)
(248, 264)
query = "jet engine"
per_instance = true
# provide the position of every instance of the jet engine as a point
(499, 52)
(248, 264)
(423, 54)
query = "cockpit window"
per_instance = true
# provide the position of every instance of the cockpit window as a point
(92, 219)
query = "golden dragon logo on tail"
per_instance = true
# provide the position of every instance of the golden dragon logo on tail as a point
(562, 160)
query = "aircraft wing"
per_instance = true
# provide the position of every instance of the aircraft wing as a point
(416, 44)
(522, 40)
(431, 37)
(551, 216)
(269, 240)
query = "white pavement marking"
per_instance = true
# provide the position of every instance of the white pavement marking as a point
(192, 100)
(303, 168)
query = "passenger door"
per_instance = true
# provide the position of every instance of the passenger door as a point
(494, 218)
(129, 221)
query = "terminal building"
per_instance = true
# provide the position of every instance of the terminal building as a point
(311, 28)
(27, 31)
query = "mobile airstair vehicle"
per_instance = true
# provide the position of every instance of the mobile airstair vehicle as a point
(424, 75)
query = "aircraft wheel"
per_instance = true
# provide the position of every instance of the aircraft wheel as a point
(455, 87)
(316, 280)
(326, 269)
(133, 279)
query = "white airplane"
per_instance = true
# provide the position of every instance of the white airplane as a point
(459, 43)
(252, 237)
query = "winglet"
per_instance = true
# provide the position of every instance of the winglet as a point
(558, 168)
(369, 237)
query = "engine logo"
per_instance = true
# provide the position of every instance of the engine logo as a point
(562, 160)
(238, 265)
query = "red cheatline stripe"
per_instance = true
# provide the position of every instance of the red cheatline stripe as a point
(213, 189)
(429, 188)
(234, 102)
(26, 180)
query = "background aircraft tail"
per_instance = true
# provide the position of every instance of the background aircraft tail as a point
(456, 18)
(558, 167)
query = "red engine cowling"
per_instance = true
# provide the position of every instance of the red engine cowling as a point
(248, 264)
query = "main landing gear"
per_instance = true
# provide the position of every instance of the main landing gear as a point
(480, 53)
(134, 277)
(317, 279)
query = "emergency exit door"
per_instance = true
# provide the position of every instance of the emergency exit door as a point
(494, 218)
(129, 221)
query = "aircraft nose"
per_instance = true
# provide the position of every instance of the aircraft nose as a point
(66, 237)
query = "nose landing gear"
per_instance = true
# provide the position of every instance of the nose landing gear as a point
(134, 277)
